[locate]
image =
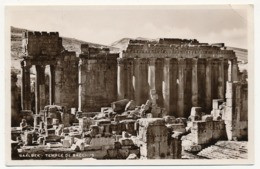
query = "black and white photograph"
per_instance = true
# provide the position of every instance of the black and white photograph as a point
(129, 84)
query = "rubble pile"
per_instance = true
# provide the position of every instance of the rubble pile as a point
(122, 131)
(128, 131)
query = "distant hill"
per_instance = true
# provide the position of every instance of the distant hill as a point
(242, 54)
(123, 43)
(70, 44)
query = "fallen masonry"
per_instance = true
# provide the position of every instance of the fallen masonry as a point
(127, 131)
(122, 131)
(154, 100)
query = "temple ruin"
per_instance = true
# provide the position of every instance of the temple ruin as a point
(151, 101)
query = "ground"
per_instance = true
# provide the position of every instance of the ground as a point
(221, 150)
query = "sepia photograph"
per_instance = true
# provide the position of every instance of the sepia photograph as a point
(151, 83)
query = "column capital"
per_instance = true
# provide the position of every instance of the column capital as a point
(167, 61)
(152, 61)
(26, 64)
(208, 60)
(194, 61)
(182, 61)
(121, 61)
(137, 60)
(144, 60)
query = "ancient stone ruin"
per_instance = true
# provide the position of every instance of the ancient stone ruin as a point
(153, 100)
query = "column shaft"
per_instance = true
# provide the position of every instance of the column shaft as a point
(181, 84)
(208, 85)
(221, 80)
(173, 86)
(26, 86)
(195, 82)
(129, 78)
(234, 70)
(145, 92)
(52, 84)
(137, 81)
(151, 73)
(40, 99)
(80, 87)
(201, 75)
(121, 79)
(158, 81)
(214, 78)
(166, 85)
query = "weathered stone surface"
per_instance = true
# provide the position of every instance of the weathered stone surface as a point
(177, 127)
(28, 138)
(130, 105)
(151, 122)
(85, 123)
(216, 103)
(132, 157)
(196, 111)
(98, 78)
(75, 147)
(119, 106)
(169, 119)
(207, 118)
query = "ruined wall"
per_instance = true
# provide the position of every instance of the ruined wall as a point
(205, 132)
(236, 111)
(66, 80)
(15, 102)
(42, 49)
(184, 73)
(98, 78)
(156, 142)
(37, 44)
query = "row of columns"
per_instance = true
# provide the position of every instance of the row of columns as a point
(181, 83)
(40, 93)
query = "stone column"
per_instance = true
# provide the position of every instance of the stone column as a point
(225, 73)
(145, 92)
(129, 78)
(52, 84)
(214, 78)
(166, 85)
(151, 73)
(173, 86)
(201, 75)
(181, 85)
(188, 88)
(40, 99)
(195, 86)
(232, 111)
(221, 79)
(137, 81)
(26, 86)
(158, 80)
(80, 87)
(121, 78)
(234, 70)
(208, 85)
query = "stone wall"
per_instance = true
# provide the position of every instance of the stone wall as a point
(156, 141)
(66, 80)
(37, 44)
(98, 78)
(236, 110)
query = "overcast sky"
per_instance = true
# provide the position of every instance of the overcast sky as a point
(106, 24)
